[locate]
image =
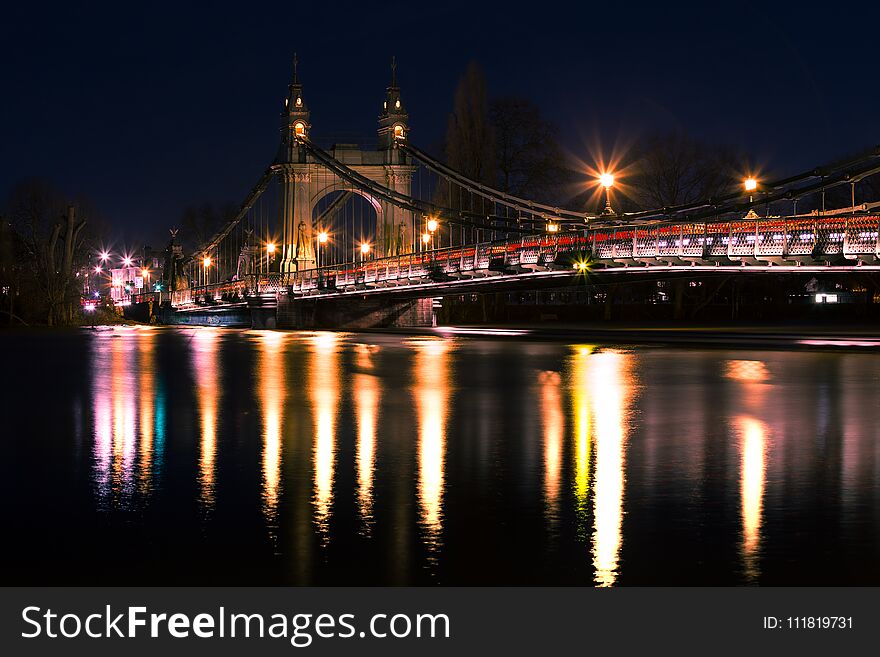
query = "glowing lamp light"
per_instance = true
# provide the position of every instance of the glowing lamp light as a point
(426, 237)
(323, 237)
(750, 184)
(552, 228)
(207, 261)
(432, 225)
(606, 180)
(365, 248)
(270, 247)
(145, 273)
(104, 256)
(127, 261)
(97, 270)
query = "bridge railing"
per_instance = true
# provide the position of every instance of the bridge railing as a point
(746, 241)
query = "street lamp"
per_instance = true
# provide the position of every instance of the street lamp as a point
(104, 256)
(607, 181)
(432, 225)
(365, 249)
(98, 269)
(552, 228)
(750, 184)
(322, 239)
(126, 261)
(270, 252)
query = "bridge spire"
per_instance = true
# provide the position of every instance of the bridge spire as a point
(294, 116)
(394, 120)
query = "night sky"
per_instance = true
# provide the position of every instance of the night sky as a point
(147, 108)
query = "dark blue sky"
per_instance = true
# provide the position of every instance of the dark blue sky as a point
(149, 107)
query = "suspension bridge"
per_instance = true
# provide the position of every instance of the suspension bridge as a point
(354, 237)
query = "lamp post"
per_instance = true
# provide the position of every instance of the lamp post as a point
(607, 181)
(322, 240)
(365, 251)
(270, 253)
(432, 227)
(751, 185)
(206, 262)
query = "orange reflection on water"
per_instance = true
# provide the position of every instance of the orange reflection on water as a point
(431, 390)
(271, 387)
(553, 428)
(754, 443)
(205, 343)
(610, 388)
(367, 392)
(580, 411)
(746, 370)
(752, 376)
(323, 383)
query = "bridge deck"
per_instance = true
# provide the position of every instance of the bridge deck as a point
(781, 244)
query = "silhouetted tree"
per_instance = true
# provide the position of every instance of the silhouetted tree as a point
(200, 223)
(51, 234)
(528, 158)
(470, 144)
(674, 168)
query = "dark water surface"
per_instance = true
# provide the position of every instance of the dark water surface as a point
(213, 456)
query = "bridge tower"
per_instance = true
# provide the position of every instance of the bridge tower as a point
(304, 182)
(395, 232)
(297, 252)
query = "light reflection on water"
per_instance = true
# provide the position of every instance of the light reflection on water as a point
(358, 444)
(271, 382)
(431, 389)
(324, 388)
(126, 401)
(204, 353)
(367, 394)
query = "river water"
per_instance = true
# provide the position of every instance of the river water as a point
(214, 456)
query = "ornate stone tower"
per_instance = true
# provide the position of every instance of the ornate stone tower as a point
(393, 122)
(395, 231)
(297, 252)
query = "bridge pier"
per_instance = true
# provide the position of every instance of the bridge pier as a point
(352, 313)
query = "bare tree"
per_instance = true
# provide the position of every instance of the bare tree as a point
(470, 144)
(528, 158)
(52, 239)
(674, 168)
(201, 223)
